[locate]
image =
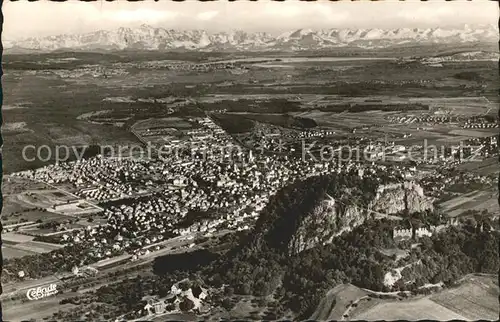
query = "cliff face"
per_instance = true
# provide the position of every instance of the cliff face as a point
(326, 221)
(397, 197)
(332, 217)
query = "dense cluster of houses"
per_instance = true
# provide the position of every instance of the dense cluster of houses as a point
(173, 303)
(423, 118)
(481, 126)
(147, 200)
(173, 65)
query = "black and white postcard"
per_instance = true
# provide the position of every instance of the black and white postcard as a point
(250, 160)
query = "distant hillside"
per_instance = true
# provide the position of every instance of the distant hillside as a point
(463, 56)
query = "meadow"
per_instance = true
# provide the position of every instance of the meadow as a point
(423, 309)
(476, 298)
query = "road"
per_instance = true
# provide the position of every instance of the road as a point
(16, 307)
(11, 290)
(22, 287)
(18, 310)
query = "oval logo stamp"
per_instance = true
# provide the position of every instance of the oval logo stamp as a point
(41, 292)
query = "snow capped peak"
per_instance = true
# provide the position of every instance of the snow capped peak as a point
(300, 33)
(146, 37)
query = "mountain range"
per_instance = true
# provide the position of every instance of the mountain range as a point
(147, 37)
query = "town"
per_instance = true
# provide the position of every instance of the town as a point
(185, 165)
(140, 203)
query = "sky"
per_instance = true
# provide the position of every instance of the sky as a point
(24, 19)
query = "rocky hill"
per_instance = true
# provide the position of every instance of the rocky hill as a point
(291, 253)
(396, 197)
(331, 218)
(151, 38)
(314, 211)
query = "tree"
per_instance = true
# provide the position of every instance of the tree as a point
(229, 291)
(226, 304)
(216, 280)
(245, 289)
(184, 286)
(262, 302)
(186, 305)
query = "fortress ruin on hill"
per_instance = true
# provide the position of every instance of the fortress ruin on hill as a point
(414, 232)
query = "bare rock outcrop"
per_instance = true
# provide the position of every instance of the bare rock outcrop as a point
(332, 217)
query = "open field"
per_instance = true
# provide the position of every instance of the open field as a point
(16, 127)
(476, 299)
(40, 203)
(37, 247)
(485, 167)
(25, 207)
(56, 98)
(474, 133)
(167, 122)
(373, 124)
(175, 317)
(399, 253)
(15, 185)
(246, 307)
(10, 252)
(45, 199)
(475, 200)
(34, 310)
(15, 210)
(161, 130)
(23, 194)
(344, 121)
(423, 309)
(52, 231)
(15, 238)
(19, 245)
(334, 305)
